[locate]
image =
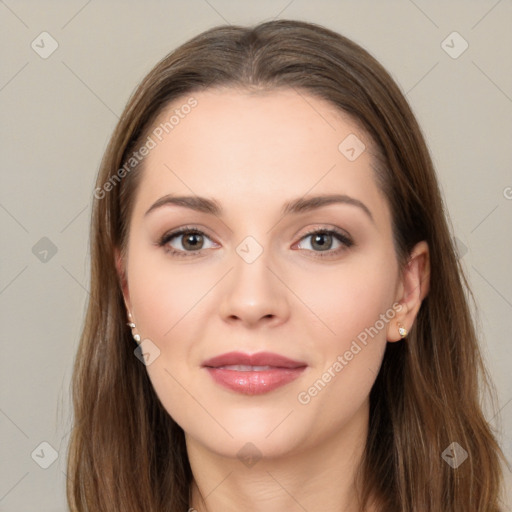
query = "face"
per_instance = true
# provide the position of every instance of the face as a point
(316, 283)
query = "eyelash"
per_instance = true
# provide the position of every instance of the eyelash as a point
(167, 237)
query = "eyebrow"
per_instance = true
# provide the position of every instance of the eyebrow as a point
(300, 205)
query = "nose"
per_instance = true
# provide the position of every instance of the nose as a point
(254, 293)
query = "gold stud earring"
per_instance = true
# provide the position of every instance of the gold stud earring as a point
(402, 331)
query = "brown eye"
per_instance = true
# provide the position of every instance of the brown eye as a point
(192, 241)
(184, 242)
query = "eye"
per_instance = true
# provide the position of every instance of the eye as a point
(322, 241)
(186, 241)
(189, 241)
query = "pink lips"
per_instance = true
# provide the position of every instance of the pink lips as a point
(253, 374)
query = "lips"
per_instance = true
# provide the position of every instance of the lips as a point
(259, 359)
(253, 374)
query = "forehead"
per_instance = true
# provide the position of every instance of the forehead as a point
(256, 147)
(256, 118)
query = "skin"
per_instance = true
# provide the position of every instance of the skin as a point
(289, 300)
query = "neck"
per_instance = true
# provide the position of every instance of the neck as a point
(321, 477)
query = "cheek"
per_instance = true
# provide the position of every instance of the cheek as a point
(350, 301)
(165, 295)
(357, 308)
(168, 301)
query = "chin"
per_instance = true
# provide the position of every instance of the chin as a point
(269, 432)
(251, 445)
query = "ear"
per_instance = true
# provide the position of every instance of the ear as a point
(121, 273)
(412, 289)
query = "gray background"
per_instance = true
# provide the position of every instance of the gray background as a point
(58, 112)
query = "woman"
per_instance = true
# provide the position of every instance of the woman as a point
(277, 318)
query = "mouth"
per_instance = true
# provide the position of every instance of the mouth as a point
(245, 368)
(253, 374)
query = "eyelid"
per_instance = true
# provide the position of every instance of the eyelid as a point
(322, 228)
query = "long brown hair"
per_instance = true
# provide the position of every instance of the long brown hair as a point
(126, 454)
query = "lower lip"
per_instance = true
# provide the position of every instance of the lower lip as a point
(255, 382)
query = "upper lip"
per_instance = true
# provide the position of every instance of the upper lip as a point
(259, 359)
